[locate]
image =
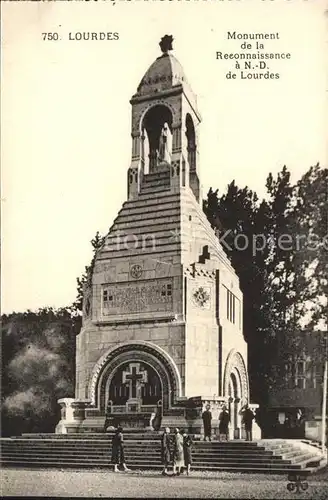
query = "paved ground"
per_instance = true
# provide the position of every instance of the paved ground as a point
(96, 483)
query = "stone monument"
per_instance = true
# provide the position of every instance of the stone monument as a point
(162, 333)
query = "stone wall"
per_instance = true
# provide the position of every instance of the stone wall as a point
(201, 337)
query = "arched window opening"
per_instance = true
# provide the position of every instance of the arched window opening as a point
(191, 142)
(157, 130)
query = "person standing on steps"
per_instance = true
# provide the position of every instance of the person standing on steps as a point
(207, 422)
(107, 415)
(166, 450)
(187, 451)
(247, 420)
(178, 457)
(224, 420)
(118, 451)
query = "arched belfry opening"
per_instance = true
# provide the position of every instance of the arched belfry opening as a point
(156, 131)
(191, 142)
(192, 156)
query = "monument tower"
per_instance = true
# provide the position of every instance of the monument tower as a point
(162, 333)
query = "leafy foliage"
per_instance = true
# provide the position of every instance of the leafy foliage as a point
(38, 359)
(284, 283)
(85, 280)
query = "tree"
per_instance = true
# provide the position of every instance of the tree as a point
(306, 312)
(284, 286)
(85, 280)
(38, 356)
(242, 223)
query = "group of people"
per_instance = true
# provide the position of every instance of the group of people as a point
(176, 450)
(224, 421)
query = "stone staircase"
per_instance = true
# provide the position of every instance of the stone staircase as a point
(297, 451)
(143, 451)
(156, 181)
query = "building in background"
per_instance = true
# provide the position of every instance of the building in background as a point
(295, 406)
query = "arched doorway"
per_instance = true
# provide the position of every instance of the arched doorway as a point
(234, 406)
(236, 390)
(234, 400)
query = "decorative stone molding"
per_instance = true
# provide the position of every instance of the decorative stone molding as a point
(136, 271)
(138, 117)
(202, 297)
(140, 346)
(196, 270)
(235, 363)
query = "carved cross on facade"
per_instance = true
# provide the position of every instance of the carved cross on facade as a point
(136, 379)
(205, 255)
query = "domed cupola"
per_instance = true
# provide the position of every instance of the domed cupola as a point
(164, 73)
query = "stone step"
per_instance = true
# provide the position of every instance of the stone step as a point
(281, 447)
(155, 189)
(143, 451)
(131, 458)
(132, 435)
(156, 181)
(144, 461)
(129, 446)
(135, 215)
(147, 200)
(153, 176)
(103, 448)
(131, 451)
(159, 174)
(304, 457)
(131, 442)
(55, 464)
(197, 456)
(289, 454)
(155, 186)
(137, 440)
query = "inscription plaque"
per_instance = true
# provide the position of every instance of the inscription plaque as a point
(144, 296)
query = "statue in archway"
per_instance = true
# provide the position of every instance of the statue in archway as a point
(164, 150)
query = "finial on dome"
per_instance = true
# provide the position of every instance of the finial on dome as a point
(166, 43)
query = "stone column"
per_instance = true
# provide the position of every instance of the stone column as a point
(231, 408)
(257, 433)
(237, 429)
(72, 415)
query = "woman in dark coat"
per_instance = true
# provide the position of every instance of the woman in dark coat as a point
(224, 420)
(165, 449)
(118, 450)
(247, 420)
(187, 448)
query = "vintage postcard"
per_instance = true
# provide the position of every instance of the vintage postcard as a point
(164, 248)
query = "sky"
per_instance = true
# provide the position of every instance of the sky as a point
(66, 118)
